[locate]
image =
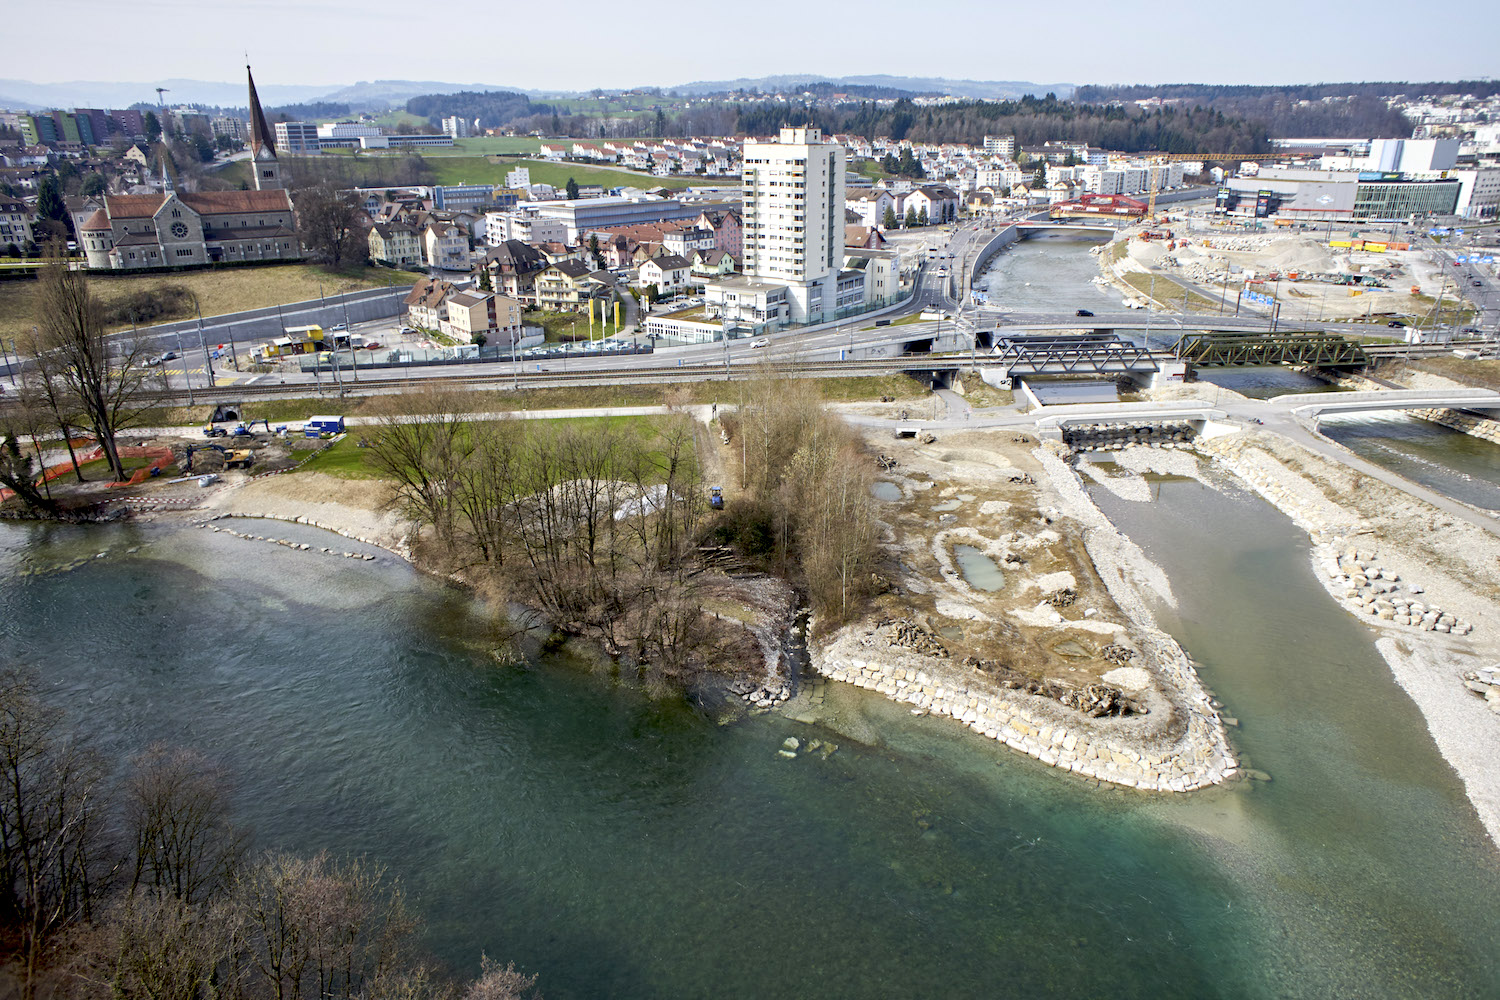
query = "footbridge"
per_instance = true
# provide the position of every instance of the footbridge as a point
(1316, 404)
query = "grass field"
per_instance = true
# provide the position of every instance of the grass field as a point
(347, 460)
(219, 292)
(568, 326)
(1170, 294)
(915, 317)
(481, 170)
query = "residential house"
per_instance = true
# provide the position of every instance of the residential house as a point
(446, 246)
(81, 209)
(568, 284)
(684, 241)
(474, 316)
(426, 303)
(669, 273)
(727, 227)
(863, 238)
(15, 223)
(870, 206)
(395, 243)
(712, 263)
(937, 201)
(513, 267)
(880, 271)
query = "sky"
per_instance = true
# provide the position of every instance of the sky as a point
(581, 44)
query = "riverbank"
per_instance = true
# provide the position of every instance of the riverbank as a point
(1426, 584)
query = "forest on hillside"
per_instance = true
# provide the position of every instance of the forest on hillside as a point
(1350, 109)
(493, 108)
(1032, 120)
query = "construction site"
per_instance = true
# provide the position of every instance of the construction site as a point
(1189, 263)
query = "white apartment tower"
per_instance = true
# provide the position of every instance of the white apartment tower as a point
(794, 218)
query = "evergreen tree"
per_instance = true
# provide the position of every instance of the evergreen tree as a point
(152, 125)
(891, 221)
(572, 189)
(911, 218)
(922, 219)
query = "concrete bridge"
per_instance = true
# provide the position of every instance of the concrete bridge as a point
(1315, 404)
(1030, 228)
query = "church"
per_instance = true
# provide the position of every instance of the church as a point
(175, 229)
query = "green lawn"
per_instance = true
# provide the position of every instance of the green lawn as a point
(568, 326)
(345, 459)
(915, 317)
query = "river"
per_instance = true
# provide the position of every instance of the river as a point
(629, 847)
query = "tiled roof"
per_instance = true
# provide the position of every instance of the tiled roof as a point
(144, 206)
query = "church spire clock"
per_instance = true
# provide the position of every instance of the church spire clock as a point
(262, 144)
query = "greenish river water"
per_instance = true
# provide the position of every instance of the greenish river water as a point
(626, 847)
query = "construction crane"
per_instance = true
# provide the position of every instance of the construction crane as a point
(1156, 159)
(159, 92)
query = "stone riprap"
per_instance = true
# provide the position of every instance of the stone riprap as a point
(1135, 751)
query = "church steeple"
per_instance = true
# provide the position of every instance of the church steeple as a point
(262, 144)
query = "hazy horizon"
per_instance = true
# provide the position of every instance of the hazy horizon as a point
(332, 43)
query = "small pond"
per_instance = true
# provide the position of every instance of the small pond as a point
(979, 569)
(889, 492)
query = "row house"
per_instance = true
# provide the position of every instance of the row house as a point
(446, 246)
(683, 242)
(395, 243)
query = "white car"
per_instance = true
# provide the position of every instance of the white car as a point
(762, 342)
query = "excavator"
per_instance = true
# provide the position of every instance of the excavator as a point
(241, 458)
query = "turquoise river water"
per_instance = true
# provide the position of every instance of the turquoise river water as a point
(626, 847)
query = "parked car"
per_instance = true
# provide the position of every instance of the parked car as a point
(373, 345)
(337, 328)
(1083, 312)
(406, 329)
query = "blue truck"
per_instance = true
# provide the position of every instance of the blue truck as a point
(318, 426)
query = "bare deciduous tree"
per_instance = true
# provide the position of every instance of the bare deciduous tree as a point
(331, 225)
(106, 378)
(177, 815)
(50, 824)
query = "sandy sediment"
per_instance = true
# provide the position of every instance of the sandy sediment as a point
(354, 508)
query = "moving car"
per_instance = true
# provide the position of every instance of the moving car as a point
(170, 356)
(1083, 312)
(1396, 323)
(762, 342)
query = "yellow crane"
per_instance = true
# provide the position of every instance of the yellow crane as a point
(1158, 159)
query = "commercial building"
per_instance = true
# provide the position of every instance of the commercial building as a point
(297, 138)
(346, 130)
(1336, 195)
(477, 198)
(457, 128)
(404, 141)
(586, 214)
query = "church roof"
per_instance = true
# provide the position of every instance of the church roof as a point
(144, 206)
(262, 139)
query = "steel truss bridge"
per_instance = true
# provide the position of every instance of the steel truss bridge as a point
(1217, 350)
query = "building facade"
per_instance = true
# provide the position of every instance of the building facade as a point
(395, 243)
(297, 138)
(187, 230)
(793, 193)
